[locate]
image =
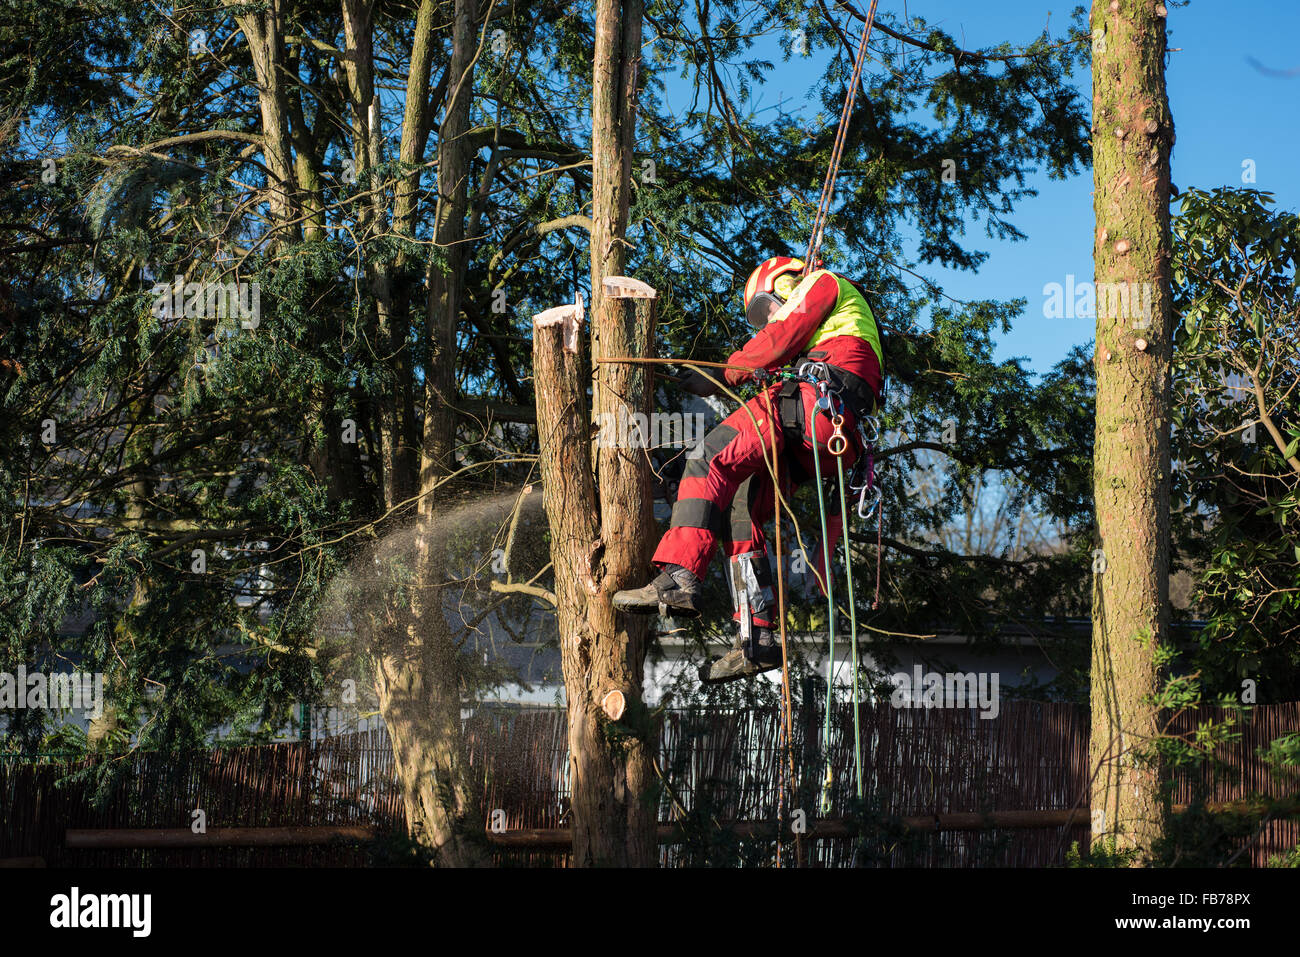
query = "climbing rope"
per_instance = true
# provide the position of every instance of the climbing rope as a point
(828, 586)
(829, 403)
(853, 620)
(837, 446)
(837, 151)
(787, 722)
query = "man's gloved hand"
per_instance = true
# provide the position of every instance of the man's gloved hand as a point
(697, 383)
(737, 376)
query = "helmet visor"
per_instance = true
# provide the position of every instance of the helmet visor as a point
(759, 308)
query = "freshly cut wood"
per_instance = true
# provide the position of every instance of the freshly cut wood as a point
(569, 318)
(625, 287)
(614, 704)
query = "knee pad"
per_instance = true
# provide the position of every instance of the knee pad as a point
(750, 581)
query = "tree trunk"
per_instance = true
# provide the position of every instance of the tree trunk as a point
(266, 48)
(610, 755)
(391, 315)
(419, 675)
(613, 130)
(138, 494)
(1132, 137)
(306, 158)
(601, 517)
(402, 453)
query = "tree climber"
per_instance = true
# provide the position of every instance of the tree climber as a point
(823, 326)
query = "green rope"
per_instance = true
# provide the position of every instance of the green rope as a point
(830, 612)
(853, 627)
(829, 581)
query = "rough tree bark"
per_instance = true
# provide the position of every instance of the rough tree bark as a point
(600, 513)
(266, 48)
(418, 677)
(1133, 134)
(611, 736)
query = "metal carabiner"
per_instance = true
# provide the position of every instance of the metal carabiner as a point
(863, 510)
(869, 439)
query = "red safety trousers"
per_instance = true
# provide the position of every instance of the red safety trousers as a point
(726, 493)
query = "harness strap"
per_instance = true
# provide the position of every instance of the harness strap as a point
(853, 390)
(793, 424)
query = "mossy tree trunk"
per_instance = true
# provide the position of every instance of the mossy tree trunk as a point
(1132, 137)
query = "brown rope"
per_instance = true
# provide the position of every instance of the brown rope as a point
(675, 362)
(880, 518)
(787, 720)
(837, 151)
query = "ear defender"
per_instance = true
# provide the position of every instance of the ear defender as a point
(785, 285)
(759, 307)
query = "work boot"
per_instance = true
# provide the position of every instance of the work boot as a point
(740, 663)
(673, 592)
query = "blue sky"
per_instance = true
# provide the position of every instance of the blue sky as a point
(1225, 111)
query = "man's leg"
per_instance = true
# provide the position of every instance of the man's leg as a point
(731, 453)
(757, 647)
(746, 549)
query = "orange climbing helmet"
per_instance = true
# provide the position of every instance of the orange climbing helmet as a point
(773, 281)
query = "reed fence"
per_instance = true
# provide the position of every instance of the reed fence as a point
(716, 766)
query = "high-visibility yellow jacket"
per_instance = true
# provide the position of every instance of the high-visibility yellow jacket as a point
(826, 318)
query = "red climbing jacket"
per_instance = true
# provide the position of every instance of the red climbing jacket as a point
(827, 319)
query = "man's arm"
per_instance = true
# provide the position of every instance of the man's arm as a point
(784, 336)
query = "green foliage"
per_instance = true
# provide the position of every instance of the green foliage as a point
(178, 432)
(1104, 853)
(1236, 481)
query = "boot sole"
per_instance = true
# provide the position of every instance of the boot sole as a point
(749, 671)
(633, 607)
